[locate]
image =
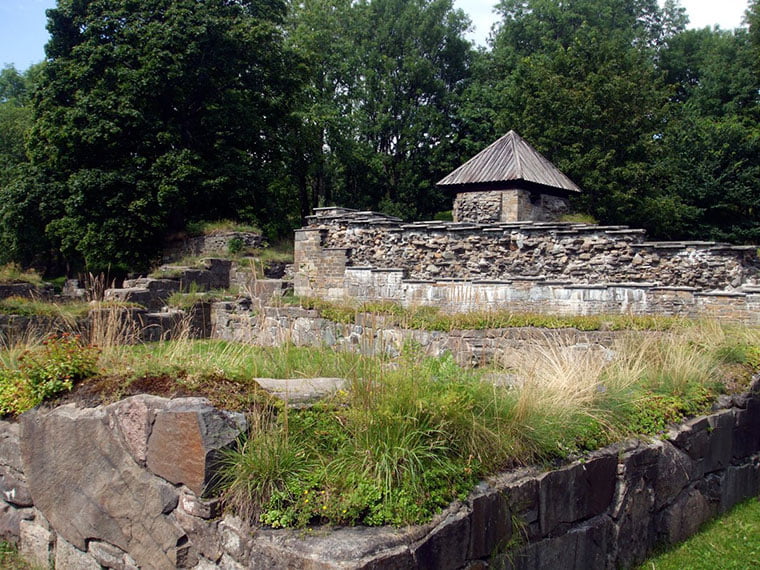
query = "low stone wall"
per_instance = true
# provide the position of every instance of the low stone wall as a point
(551, 297)
(371, 334)
(559, 254)
(211, 244)
(121, 487)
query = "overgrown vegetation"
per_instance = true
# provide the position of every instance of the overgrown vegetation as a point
(432, 318)
(43, 372)
(28, 307)
(202, 228)
(13, 273)
(10, 559)
(406, 435)
(730, 542)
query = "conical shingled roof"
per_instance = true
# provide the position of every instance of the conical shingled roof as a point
(509, 159)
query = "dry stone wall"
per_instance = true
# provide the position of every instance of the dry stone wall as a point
(120, 487)
(550, 267)
(211, 244)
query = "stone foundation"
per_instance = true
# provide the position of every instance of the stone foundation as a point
(562, 268)
(121, 487)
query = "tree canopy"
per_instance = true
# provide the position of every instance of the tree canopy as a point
(147, 116)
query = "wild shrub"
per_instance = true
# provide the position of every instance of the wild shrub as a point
(45, 372)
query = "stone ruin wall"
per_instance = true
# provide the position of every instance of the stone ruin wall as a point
(577, 253)
(493, 206)
(547, 267)
(121, 487)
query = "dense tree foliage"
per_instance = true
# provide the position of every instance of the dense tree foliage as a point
(150, 115)
(382, 102)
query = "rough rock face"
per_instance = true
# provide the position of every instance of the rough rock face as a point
(203, 431)
(86, 484)
(86, 474)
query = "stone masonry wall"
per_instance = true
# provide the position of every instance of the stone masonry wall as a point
(210, 244)
(122, 487)
(417, 263)
(494, 206)
(578, 253)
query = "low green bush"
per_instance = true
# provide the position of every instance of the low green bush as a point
(45, 372)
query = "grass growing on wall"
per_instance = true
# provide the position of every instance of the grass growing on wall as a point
(432, 318)
(409, 434)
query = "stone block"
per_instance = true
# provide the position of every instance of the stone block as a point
(721, 441)
(584, 547)
(684, 516)
(187, 439)
(576, 493)
(381, 548)
(490, 522)
(746, 435)
(133, 417)
(85, 482)
(520, 490)
(69, 558)
(675, 470)
(446, 546)
(36, 543)
(740, 483)
(110, 556)
(10, 521)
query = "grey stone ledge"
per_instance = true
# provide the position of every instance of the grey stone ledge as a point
(674, 288)
(736, 294)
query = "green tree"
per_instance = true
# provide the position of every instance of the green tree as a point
(578, 80)
(150, 115)
(382, 102)
(709, 155)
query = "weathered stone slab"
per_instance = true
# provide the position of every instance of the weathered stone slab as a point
(357, 548)
(110, 556)
(35, 543)
(134, 417)
(299, 392)
(740, 483)
(85, 482)
(446, 546)
(69, 558)
(490, 522)
(674, 472)
(186, 441)
(582, 548)
(684, 516)
(575, 493)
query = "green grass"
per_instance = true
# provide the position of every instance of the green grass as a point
(12, 273)
(432, 318)
(731, 542)
(186, 300)
(10, 559)
(220, 226)
(26, 307)
(409, 434)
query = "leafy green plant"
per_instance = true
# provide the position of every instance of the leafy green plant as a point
(235, 245)
(45, 372)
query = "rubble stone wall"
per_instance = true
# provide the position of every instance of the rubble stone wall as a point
(122, 487)
(211, 244)
(549, 267)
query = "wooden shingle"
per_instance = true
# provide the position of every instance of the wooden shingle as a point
(510, 160)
